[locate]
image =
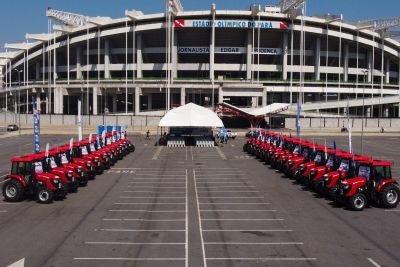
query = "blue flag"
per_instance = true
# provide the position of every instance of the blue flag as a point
(36, 144)
(334, 147)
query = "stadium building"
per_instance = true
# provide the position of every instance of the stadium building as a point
(249, 58)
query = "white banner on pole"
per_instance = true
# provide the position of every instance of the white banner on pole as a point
(79, 121)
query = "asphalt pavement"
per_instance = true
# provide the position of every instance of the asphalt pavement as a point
(196, 207)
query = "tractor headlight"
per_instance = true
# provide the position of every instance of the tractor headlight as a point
(290, 163)
(303, 168)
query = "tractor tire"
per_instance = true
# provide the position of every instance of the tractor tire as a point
(83, 181)
(358, 202)
(44, 195)
(13, 191)
(389, 196)
(332, 192)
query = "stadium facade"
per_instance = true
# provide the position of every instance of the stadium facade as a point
(248, 58)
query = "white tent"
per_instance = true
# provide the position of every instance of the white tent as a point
(191, 115)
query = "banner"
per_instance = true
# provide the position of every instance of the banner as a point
(241, 24)
(228, 50)
(36, 143)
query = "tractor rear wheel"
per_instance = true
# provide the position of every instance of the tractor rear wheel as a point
(13, 191)
(358, 202)
(389, 196)
(44, 195)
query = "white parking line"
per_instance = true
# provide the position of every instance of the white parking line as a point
(149, 203)
(224, 178)
(221, 182)
(373, 262)
(155, 182)
(229, 192)
(151, 197)
(214, 203)
(392, 210)
(150, 211)
(155, 187)
(132, 259)
(263, 259)
(140, 230)
(238, 210)
(187, 221)
(153, 192)
(211, 197)
(242, 219)
(3, 211)
(157, 154)
(145, 220)
(160, 178)
(259, 243)
(221, 154)
(129, 243)
(199, 218)
(247, 230)
(160, 175)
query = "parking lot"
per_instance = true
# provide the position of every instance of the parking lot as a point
(196, 207)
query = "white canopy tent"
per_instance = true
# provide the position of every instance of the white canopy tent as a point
(191, 115)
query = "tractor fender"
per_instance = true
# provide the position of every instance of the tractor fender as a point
(46, 179)
(310, 164)
(382, 184)
(59, 173)
(16, 177)
(356, 184)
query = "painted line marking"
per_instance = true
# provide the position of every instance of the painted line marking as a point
(154, 192)
(160, 178)
(157, 154)
(150, 203)
(243, 219)
(211, 197)
(247, 230)
(130, 243)
(213, 203)
(263, 259)
(259, 243)
(3, 211)
(228, 186)
(220, 153)
(160, 175)
(153, 187)
(191, 152)
(373, 262)
(145, 220)
(155, 182)
(222, 182)
(199, 218)
(152, 197)
(187, 221)
(229, 192)
(132, 259)
(238, 210)
(392, 210)
(150, 211)
(140, 230)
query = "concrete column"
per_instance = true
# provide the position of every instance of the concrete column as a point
(114, 103)
(285, 56)
(27, 101)
(369, 66)
(220, 94)
(387, 76)
(47, 103)
(137, 100)
(107, 74)
(346, 63)
(212, 53)
(139, 57)
(37, 76)
(317, 62)
(175, 55)
(386, 114)
(150, 101)
(254, 101)
(38, 102)
(55, 101)
(94, 101)
(264, 97)
(78, 63)
(183, 96)
(249, 65)
(61, 101)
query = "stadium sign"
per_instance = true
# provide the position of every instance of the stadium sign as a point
(228, 50)
(244, 24)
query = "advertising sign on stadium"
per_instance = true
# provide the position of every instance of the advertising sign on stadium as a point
(228, 50)
(244, 24)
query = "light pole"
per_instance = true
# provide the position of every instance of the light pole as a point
(365, 72)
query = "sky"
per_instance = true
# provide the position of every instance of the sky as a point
(19, 17)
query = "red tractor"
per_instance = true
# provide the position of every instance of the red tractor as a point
(66, 156)
(294, 163)
(302, 174)
(373, 184)
(27, 178)
(284, 156)
(326, 183)
(80, 151)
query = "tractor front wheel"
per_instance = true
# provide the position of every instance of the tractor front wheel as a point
(13, 191)
(44, 195)
(389, 196)
(358, 202)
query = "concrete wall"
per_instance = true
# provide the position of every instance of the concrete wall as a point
(56, 120)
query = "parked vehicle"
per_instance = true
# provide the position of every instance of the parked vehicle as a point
(27, 178)
(373, 184)
(12, 127)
